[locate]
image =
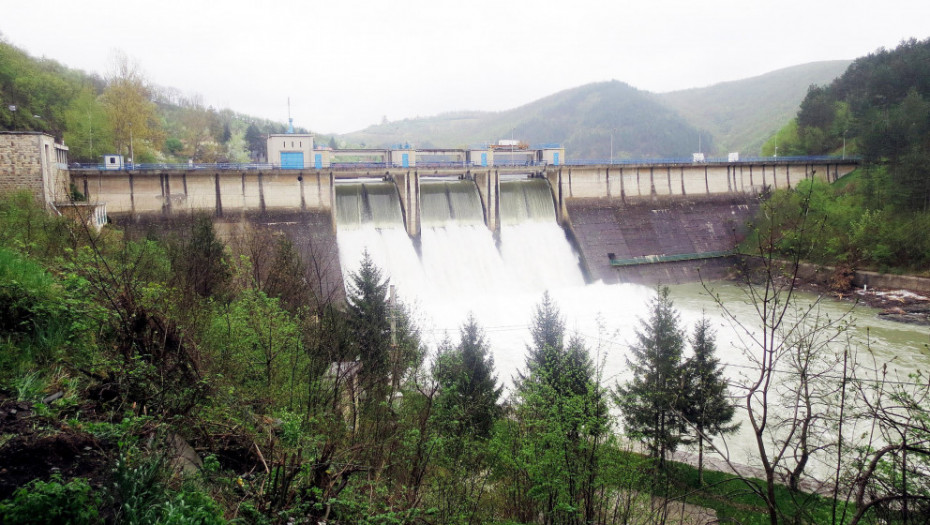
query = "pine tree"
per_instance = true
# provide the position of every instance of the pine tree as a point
(370, 326)
(547, 331)
(468, 387)
(562, 418)
(652, 400)
(708, 409)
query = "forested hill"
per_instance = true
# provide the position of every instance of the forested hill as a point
(731, 116)
(741, 115)
(879, 217)
(91, 113)
(879, 108)
(582, 119)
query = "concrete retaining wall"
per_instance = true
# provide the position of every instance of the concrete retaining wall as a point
(311, 231)
(822, 274)
(669, 226)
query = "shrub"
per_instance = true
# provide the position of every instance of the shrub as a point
(51, 502)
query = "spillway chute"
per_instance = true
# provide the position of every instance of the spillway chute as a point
(526, 201)
(447, 203)
(375, 204)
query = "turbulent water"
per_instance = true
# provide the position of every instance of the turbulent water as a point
(461, 269)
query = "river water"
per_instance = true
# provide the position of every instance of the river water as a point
(461, 269)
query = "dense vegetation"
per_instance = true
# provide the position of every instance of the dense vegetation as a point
(98, 115)
(880, 110)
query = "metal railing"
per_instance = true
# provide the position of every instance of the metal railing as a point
(496, 163)
(714, 160)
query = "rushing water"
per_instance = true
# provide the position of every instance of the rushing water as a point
(461, 269)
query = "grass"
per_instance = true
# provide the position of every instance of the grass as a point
(735, 500)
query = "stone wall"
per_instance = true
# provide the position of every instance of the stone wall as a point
(31, 161)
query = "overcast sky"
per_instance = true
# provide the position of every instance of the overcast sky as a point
(347, 63)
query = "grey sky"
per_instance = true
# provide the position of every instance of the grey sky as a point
(347, 63)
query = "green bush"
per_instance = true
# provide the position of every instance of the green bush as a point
(51, 502)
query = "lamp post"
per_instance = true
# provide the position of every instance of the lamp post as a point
(776, 152)
(611, 146)
(511, 147)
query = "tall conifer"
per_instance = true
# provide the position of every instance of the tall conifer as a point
(708, 408)
(651, 401)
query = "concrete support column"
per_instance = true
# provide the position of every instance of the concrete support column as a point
(219, 195)
(261, 191)
(410, 192)
(489, 184)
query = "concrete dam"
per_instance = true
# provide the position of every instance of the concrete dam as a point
(627, 223)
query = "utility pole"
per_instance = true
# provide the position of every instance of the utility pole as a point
(391, 306)
(132, 157)
(844, 143)
(90, 126)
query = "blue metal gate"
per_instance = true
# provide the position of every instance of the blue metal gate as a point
(405, 160)
(555, 158)
(318, 161)
(484, 159)
(292, 160)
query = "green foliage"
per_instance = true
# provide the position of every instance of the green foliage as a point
(742, 114)
(550, 450)
(200, 260)
(257, 345)
(131, 113)
(26, 227)
(464, 415)
(141, 495)
(88, 132)
(469, 394)
(879, 108)
(840, 226)
(708, 409)
(654, 399)
(39, 319)
(51, 502)
(369, 324)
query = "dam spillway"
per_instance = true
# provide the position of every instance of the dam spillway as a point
(458, 257)
(420, 199)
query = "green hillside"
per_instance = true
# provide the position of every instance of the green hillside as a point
(878, 217)
(95, 115)
(741, 115)
(582, 119)
(731, 116)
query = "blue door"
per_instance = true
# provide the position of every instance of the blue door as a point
(484, 159)
(555, 158)
(292, 160)
(318, 161)
(405, 160)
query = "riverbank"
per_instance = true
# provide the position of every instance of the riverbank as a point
(901, 298)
